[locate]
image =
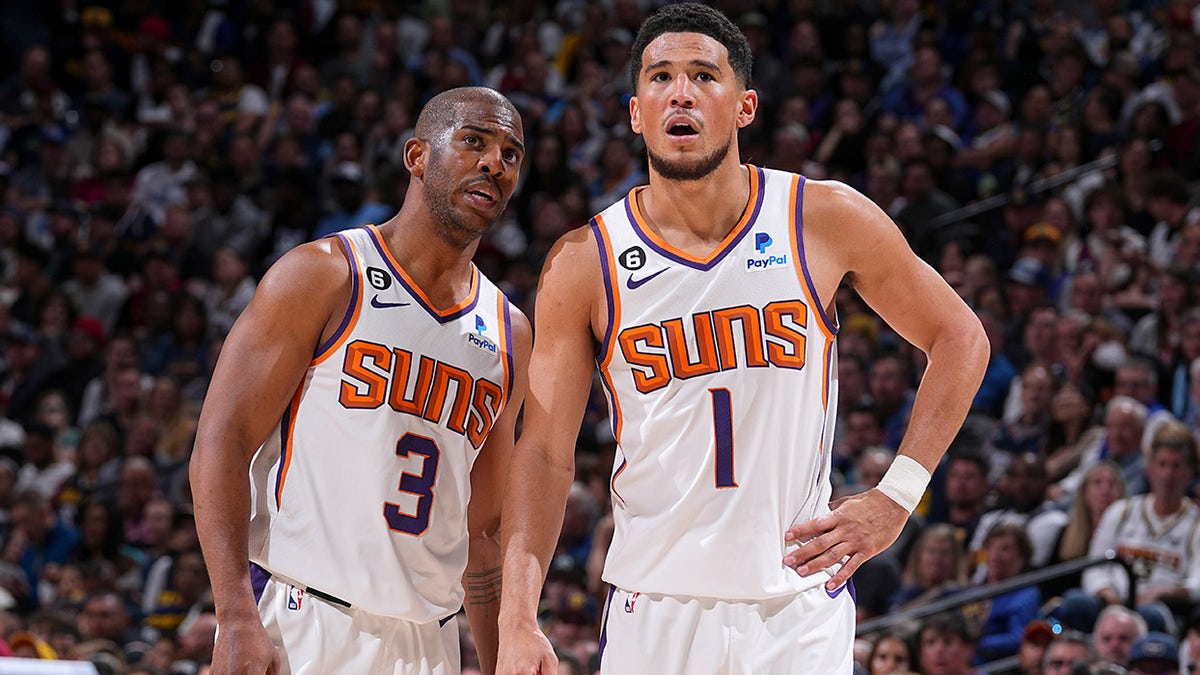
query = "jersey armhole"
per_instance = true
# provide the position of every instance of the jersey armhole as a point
(353, 308)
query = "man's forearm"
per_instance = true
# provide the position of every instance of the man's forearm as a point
(956, 366)
(531, 527)
(481, 581)
(222, 504)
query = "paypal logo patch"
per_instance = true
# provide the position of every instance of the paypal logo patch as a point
(477, 337)
(763, 241)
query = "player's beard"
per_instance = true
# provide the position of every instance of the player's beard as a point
(686, 170)
(453, 223)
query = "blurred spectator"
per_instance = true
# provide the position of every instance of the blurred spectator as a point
(998, 377)
(1035, 639)
(1117, 629)
(159, 185)
(43, 471)
(1001, 620)
(1119, 440)
(966, 493)
(1158, 334)
(97, 468)
(1157, 533)
(352, 207)
(1154, 652)
(1028, 431)
(1021, 500)
(38, 538)
(936, 568)
(893, 396)
(230, 291)
(890, 655)
(1170, 204)
(197, 635)
(618, 174)
(1068, 652)
(946, 646)
(231, 219)
(1102, 485)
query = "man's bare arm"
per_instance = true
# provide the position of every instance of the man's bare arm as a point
(488, 478)
(543, 467)
(919, 305)
(261, 365)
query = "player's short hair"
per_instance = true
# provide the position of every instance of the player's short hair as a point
(693, 17)
(444, 110)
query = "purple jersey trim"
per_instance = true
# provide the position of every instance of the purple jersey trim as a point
(285, 428)
(355, 298)
(602, 245)
(705, 266)
(508, 345)
(833, 329)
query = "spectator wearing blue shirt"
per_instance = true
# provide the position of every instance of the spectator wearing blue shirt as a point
(38, 538)
(353, 208)
(1008, 551)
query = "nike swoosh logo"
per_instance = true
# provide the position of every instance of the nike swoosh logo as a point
(378, 304)
(633, 284)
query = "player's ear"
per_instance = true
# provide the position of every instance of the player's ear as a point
(415, 152)
(635, 117)
(747, 108)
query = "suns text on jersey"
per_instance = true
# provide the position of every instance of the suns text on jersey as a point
(378, 375)
(774, 335)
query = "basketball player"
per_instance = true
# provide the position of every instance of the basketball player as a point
(710, 297)
(371, 390)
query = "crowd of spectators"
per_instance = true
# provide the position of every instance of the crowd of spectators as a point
(156, 158)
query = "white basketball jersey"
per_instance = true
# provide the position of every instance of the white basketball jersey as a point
(362, 490)
(719, 374)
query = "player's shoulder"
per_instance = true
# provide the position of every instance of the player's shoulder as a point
(577, 245)
(316, 267)
(836, 206)
(831, 195)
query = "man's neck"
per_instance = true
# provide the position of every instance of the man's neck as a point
(1166, 505)
(691, 214)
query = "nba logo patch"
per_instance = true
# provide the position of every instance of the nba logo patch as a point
(630, 602)
(295, 598)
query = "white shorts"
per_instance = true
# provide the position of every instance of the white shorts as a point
(315, 636)
(812, 632)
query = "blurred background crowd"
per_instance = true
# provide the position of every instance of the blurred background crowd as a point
(1042, 155)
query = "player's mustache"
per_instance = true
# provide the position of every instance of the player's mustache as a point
(493, 184)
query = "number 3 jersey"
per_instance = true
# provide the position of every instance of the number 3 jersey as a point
(362, 490)
(719, 374)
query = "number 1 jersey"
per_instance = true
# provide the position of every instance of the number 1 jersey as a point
(362, 489)
(720, 378)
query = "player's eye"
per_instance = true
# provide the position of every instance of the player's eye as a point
(705, 77)
(659, 77)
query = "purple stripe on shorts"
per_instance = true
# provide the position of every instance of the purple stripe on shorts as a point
(604, 628)
(258, 581)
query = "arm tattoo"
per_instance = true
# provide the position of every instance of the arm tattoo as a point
(483, 587)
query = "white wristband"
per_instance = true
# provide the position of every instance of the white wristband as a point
(905, 482)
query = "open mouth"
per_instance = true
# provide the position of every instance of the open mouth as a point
(682, 129)
(480, 194)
